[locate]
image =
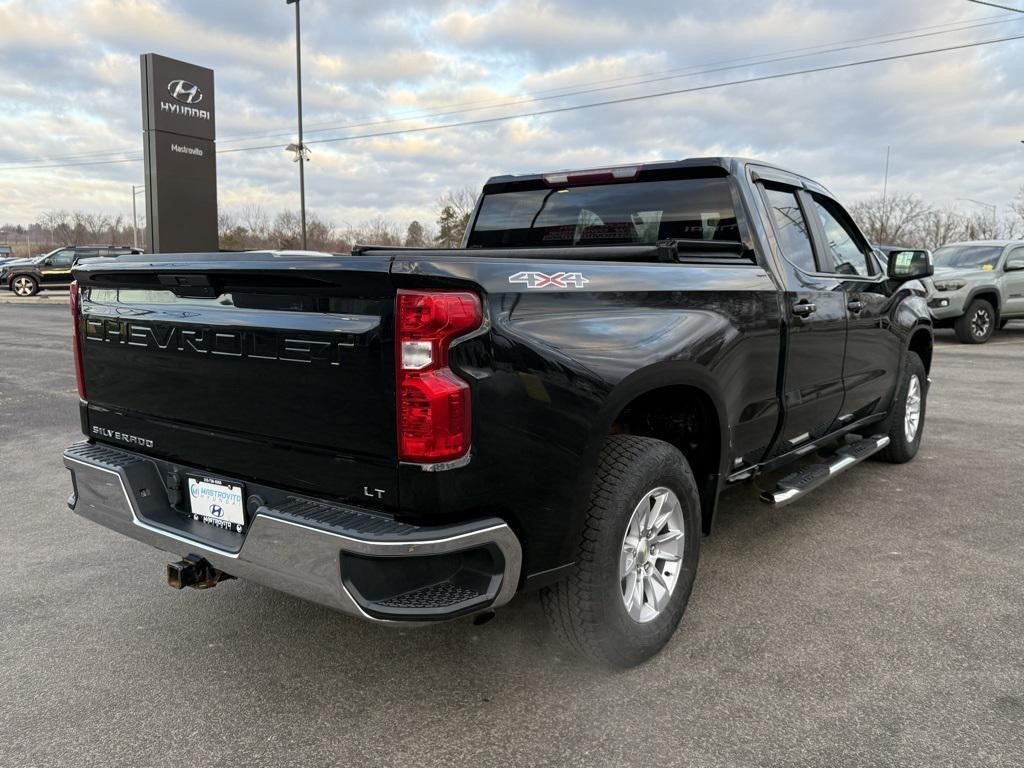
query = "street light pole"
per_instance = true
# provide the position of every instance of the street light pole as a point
(136, 188)
(991, 207)
(301, 152)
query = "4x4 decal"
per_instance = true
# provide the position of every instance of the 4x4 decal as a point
(555, 280)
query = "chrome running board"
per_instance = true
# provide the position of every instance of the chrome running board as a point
(811, 477)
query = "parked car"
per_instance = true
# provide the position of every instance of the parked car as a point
(411, 435)
(26, 277)
(978, 287)
(7, 255)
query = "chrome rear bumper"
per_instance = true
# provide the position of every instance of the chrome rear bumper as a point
(305, 556)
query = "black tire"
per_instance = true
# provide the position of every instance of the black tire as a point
(901, 450)
(24, 285)
(977, 324)
(587, 609)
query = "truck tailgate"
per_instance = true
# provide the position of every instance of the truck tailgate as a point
(268, 366)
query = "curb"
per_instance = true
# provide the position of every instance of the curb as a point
(56, 298)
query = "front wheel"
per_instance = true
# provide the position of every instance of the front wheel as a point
(905, 422)
(24, 285)
(637, 556)
(977, 324)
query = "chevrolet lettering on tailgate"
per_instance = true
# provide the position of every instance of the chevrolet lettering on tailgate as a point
(261, 345)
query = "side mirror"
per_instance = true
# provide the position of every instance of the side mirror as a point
(910, 265)
(48, 262)
(1013, 266)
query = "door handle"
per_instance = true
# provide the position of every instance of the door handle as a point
(804, 309)
(855, 305)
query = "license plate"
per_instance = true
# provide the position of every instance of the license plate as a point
(217, 502)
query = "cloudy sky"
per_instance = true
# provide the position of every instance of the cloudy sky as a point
(69, 94)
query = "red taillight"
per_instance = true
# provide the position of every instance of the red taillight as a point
(76, 344)
(433, 403)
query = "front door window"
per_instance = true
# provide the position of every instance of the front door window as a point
(63, 259)
(846, 256)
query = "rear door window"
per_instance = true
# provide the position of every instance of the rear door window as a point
(791, 228)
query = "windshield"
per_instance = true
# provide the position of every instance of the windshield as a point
(632, 213)
(960, 256)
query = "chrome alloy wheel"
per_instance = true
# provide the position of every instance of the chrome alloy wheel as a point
(981, 321)
(652, 554)
(22, 286)
(912, 411)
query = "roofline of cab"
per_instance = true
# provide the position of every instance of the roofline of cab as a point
(733, 166)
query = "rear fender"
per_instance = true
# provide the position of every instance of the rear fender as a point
(657, 376)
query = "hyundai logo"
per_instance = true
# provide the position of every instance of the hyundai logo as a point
(184, 91)
(216, 510)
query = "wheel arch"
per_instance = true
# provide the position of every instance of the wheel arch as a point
(922, 344)
(989, 293)
(681, 403)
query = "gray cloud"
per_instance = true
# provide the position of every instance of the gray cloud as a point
(69, 85)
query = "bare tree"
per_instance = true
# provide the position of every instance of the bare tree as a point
(380, 231)
(286, 232)
(320, 234)
(896, 219)
(984, 226)
(250, 227)
(941, 226)
(462, 200)
(1017, 215)
(60, 225)
(232, 235)
(116, 225)
(256, 221)
(453, 209)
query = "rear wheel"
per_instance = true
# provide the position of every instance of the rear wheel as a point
(977, 324)
(24, 285)
(637, 557)
(905, 423)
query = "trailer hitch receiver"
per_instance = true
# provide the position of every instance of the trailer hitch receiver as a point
(196, 572)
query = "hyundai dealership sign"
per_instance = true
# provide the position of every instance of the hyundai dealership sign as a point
(179, 124)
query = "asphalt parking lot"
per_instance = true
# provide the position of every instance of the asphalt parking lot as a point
(878, 623)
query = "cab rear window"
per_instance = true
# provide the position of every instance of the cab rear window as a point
(632, 213)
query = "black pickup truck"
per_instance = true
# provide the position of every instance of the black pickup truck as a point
(409, 435)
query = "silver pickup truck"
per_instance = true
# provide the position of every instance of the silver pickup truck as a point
(978, 287)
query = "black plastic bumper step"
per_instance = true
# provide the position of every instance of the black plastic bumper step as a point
(441, 595)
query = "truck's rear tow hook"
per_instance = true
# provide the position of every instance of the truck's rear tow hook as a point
(196, 572)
